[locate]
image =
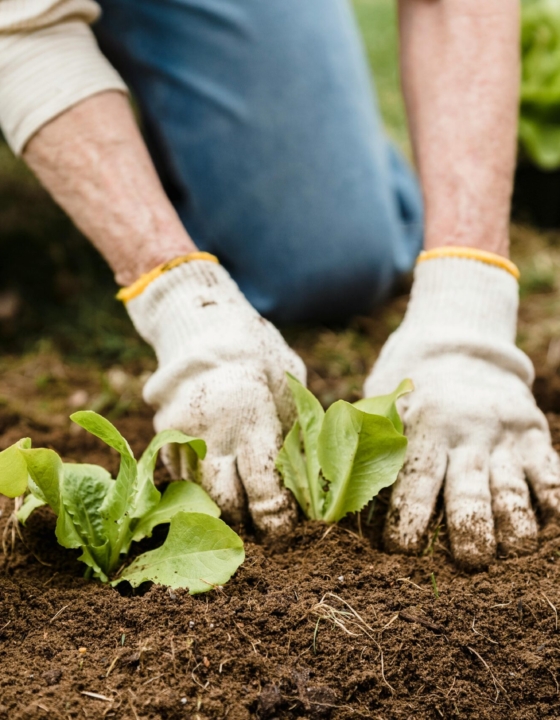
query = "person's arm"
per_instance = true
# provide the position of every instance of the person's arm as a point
(221, 368)
(93, 161)
(472, 422)
(65, 108)
(460, 77)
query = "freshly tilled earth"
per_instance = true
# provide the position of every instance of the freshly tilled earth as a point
(327, 626)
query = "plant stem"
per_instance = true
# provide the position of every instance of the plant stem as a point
(434, 585)
(116, 550)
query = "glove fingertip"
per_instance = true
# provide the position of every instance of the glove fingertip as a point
(414, 496)
(473, 545)
(274, 518)
(220, 479)
(405, 531)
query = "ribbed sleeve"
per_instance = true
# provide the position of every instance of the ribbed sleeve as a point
(49, 61)
(32, 14)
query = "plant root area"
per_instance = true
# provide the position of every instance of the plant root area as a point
(328, 626)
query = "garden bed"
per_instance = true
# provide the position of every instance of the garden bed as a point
(328, 626)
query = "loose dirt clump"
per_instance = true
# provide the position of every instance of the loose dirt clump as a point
(327, 627)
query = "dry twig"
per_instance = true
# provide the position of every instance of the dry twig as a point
(96, 696)
(409, 617)
(62, 609)
(409, 581)
(349, 621)
(497, 684)
(476, 632)
(555, 611)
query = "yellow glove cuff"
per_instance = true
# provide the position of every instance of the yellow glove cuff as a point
(469, 253)
(128, 293)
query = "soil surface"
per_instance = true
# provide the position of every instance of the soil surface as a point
(331, 627)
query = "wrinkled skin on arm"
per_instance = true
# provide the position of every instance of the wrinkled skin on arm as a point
(93, 161)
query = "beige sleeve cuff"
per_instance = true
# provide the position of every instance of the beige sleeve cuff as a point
(47, 71)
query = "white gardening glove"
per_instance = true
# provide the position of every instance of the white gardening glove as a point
(472, 422)
(222, 377)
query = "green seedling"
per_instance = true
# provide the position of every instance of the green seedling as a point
(102, 516)
(434, 585)
(335, 462)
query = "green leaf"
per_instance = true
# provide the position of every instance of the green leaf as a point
(148, 460)
(385, 405)
(118, 502)
(199, 553)
(97, 559)
(180, 496)
(84, 490)
(118, 507)
(76, 471)
(103, 429)
(148, 496)
(67, 533)
(46, 473)
(81, 523)
(13, 470)
(69, 536)
(46, 476)
(291, 466)
(30, 504)
(310, 416)
(359, 454)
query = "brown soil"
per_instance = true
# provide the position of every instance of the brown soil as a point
(331, 627)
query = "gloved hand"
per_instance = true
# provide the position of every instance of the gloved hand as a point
(472, 422)
(221, 376)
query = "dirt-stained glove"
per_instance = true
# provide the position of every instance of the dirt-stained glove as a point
(222, 377)
(472, 420)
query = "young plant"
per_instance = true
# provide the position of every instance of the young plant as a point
(335, 462)
(102, 517)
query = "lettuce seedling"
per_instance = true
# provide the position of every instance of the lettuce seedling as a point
(102, 517)
(335, 462)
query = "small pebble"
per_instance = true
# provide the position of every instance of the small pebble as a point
(118, 379)
(211, 626)
(184, 701)
(191, 624)
(340, 578)
(78, 399)
(52, 677)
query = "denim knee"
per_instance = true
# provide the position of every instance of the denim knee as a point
(342, 255)
(264, 128)
(347, 276)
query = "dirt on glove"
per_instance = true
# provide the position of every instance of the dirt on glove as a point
(327, 627)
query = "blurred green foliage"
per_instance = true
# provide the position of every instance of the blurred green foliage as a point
(539, 120)
(378, 23)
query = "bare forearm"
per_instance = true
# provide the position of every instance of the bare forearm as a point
(460, 70)
(93, 161)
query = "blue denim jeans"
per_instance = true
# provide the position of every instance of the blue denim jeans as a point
(263, 125)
